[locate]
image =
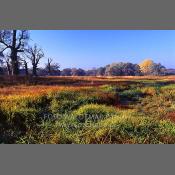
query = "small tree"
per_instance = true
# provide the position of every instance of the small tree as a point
(101, 71)
(130, 69)
(52, 68)
(91, 72)
(113, 69)
(35, 54)
(78, 72)
(158, 69)
(66, 72)
(55, 69)
(122, 69)
(49, 65)
(25, 65)
(6, 62)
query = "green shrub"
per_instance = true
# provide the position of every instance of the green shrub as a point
(45, 133)
(65, 102)
(131, 95)
(16, 121)
(149, 91)
(64, 95)
(168, 87)
(26, 102)
(131, 130)
(37, 102)
(108, 88)
(66, 106)
(3, 119)
(23, 118)
(157, 105)
(61, 107)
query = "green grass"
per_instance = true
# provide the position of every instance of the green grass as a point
(93, 112)
(92, 115)
(132, 130)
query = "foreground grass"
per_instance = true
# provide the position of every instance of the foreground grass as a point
(141, 111)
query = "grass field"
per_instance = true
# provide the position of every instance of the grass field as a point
(87, 110)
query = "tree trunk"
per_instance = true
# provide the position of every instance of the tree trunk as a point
(26, 68)
(34, 70)
(14, 58)
(8, 68)
(15, 64)
(49, 68)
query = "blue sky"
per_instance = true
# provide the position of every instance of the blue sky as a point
(95, 48)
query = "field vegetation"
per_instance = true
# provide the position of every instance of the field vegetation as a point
(87, 110)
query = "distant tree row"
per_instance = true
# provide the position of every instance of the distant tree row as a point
(147, 67)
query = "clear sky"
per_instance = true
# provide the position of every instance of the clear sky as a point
(95, 48)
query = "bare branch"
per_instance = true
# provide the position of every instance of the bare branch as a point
(35, 54)
(23, 37)
(5, 37)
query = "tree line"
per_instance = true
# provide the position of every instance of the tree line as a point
(16, 54)
(147, 67)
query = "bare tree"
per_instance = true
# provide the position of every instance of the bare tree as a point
(25, 65)
(49, 65)
(16, 41)
(5, 60)
(52, 68)
(35, 54)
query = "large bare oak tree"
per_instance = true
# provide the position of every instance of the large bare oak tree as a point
(16, 41)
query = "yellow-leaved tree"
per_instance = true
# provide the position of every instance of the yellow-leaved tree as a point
(147, 66)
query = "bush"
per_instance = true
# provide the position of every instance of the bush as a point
(157, 105)
(93, 112)
(67, 101)
(19, 114)
(131, 95)
(131, 130)
(169, 87)
(65, 95)
(23, 118)
(15, 122)
(65, 106)
(108, 88)
(149, 91)
(25, 102)
(46, 133)
(24, 108)
(68, 105)
(36, 102)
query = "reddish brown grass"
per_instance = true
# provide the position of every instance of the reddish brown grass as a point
(171, 116)
(39, 85)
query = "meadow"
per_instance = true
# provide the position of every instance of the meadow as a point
(87, 110)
